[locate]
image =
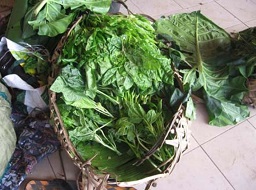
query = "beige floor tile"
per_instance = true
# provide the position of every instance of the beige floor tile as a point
(192, 3)
(156, 8)
(252, 120)
(192, 144)
(234, 154)
(216, 13)
(251, 23)
(236, 28)
(201, 130)
(252, 111)
(195, 171)
(132, 7)
(242, 9)
(42, 170)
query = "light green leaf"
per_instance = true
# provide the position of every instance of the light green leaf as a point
(152, 116)
(109, 76)
(126, 129)
(54, 27)
(128, 83)
(99, 6)
(190, 111)
(224, 112)
(52, 17)
(207, 49)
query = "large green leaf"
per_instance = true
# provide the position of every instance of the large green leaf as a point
(52, 17)
(13, 31)
(207, 49)
(98, 6)
(120, 167)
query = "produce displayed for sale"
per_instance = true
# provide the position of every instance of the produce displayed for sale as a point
(116, 94)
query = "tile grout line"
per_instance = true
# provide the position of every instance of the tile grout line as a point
(217, 167)
(178, 4)
(51, 167)
(221, 133)
(252, 124)
(200, 146)
(188, 151)
(136, 6)
(230, 13)
(250, 111)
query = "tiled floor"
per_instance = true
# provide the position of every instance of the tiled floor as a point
(218, 158)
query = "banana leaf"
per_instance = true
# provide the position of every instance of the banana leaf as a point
(120, 167)
(207, 65)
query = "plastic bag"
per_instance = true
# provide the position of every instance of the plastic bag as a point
(14, 76)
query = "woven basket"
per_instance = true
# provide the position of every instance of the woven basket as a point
(88, 179)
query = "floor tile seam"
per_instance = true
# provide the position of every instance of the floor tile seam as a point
(168, 13)
(201, 147)
(190, 150)
(246, 24)
(230, 12)
(250, 20)
(252, 124)
(186, 8)
(217, 167)
(51, 166)
(225, 28)
(231, 128)
(251, 116)
(179, 4)
(163, 13)
(136, 6)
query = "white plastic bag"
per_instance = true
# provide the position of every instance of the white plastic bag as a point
(33, 96)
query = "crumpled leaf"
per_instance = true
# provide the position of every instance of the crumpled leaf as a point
(207, 49)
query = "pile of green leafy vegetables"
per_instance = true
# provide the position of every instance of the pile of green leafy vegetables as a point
(116, 90)
(117, 94)
(214, 65)
(41, 22)
(51, 17)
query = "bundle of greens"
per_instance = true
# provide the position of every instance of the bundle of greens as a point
(214, 65)
(52, 17)
(116, 92)
(41, 22)
(245, 47)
